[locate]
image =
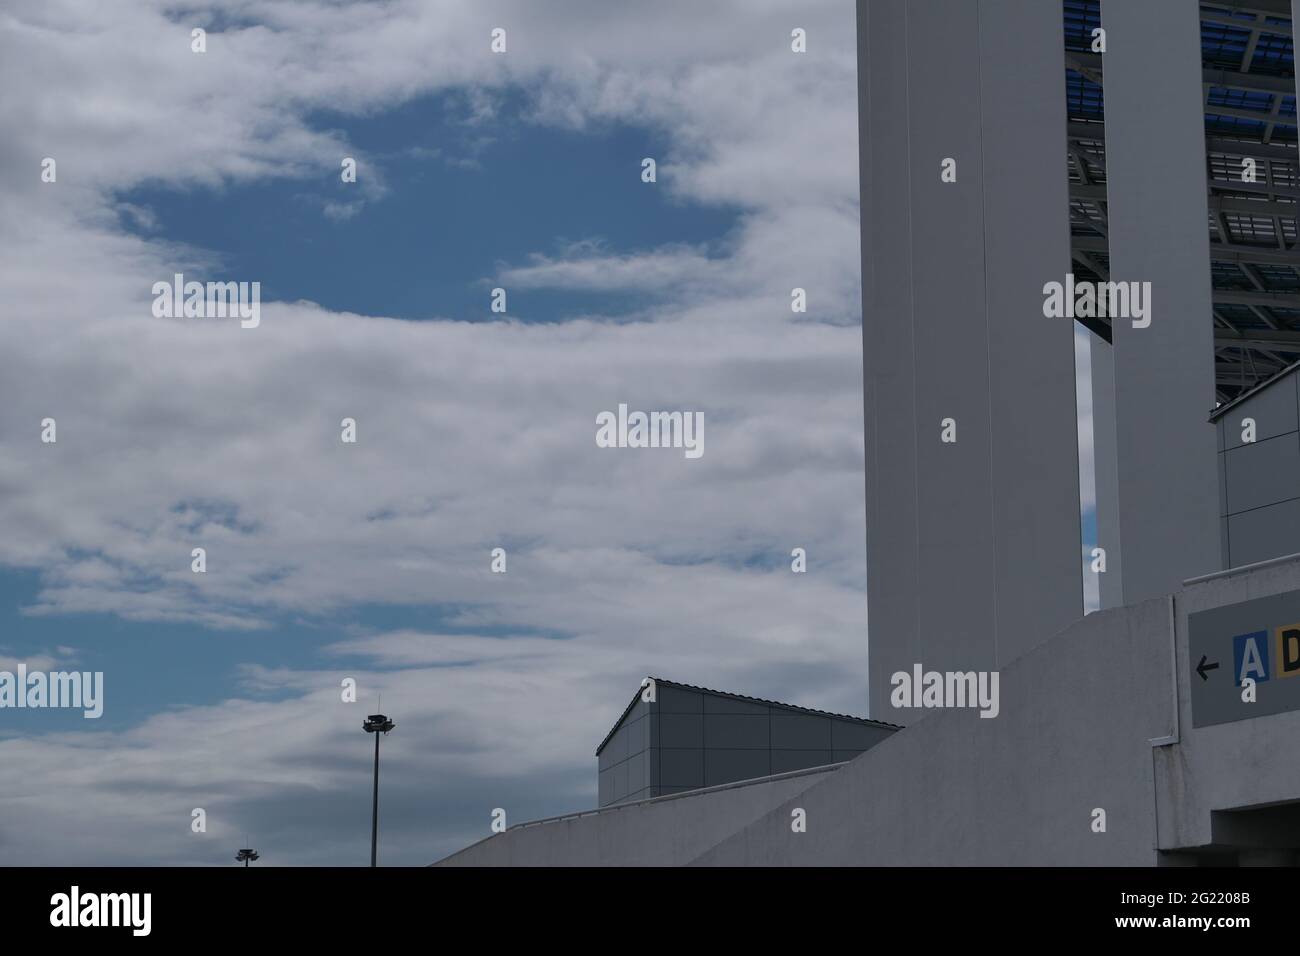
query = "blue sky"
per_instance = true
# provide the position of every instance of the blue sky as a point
(461, 200)
(425, 248)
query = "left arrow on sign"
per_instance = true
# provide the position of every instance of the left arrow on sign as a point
(1202, 667)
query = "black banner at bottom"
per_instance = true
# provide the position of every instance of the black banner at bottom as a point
(358, 905)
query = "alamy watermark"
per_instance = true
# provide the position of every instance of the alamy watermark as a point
(1088, 300)
(75, 908)
(651, 430)
(80, 690)
(946, 689)
(216, 300)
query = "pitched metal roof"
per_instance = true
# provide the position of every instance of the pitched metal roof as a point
(663, 682)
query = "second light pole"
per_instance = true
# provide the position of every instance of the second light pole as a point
(376, 724)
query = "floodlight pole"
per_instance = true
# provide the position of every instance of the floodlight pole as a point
(374, 811)
(375, 724)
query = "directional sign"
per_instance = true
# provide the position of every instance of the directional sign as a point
(1244, 650)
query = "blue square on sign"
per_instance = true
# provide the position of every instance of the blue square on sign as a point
(1250, 657)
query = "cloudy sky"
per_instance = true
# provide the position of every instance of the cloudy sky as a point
(475, 430)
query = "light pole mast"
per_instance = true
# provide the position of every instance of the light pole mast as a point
(376, 724)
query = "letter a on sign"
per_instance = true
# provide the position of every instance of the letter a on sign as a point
(1250, 656)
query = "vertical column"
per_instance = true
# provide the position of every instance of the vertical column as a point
(1035, 435)
(973, 544)
(1159, 233)
(1110, 585)
(888, 350)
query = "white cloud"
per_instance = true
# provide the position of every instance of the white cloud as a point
(175, 434)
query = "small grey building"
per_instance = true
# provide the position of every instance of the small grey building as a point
(691, 737)
(1259, 471)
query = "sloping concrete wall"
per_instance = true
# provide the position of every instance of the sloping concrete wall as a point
(1087, 721)
(1077, 715)
(665, 831)
(1073, 734)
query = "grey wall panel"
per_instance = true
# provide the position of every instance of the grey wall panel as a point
(638, 735)
(676, 700)
(658, 753)
(846, 735)
(800, 732)
(749, 731)
(728, 766)
(1264, 533)
(615, 751)
(605, 788)
(1158, 216)
(953, 328)
(888, 350)
(717, 704)
(1223, 482)
(950, 325)
(1273, 409)
(681, 768)
(1034, 435)
(1226, 536)
(638, 777)
(681, 730)
(1263, 473)
(619, 789)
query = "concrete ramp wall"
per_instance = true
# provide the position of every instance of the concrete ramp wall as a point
(1098, 718)
(663, 831)
(955, 789)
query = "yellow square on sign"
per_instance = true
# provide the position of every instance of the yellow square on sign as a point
(1286, 650)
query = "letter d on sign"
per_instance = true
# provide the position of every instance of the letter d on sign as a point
(1286, 650)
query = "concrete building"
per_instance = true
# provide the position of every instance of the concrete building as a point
(1021, 161)
(675, 737)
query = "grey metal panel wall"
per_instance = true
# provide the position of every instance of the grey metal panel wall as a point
(690, 739)
(625, 766)
(1270, 532)
(973, 547)
(1262, 473)
(1259, 500)
(1273, 410)
(1164, 374)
